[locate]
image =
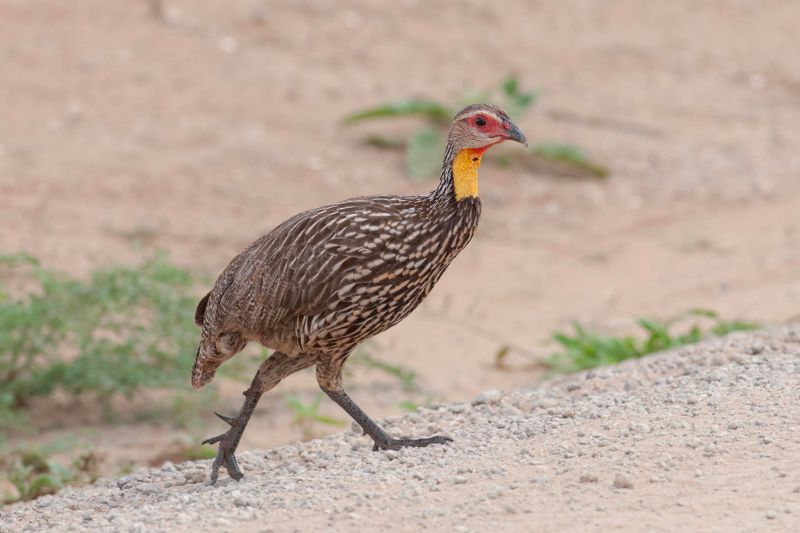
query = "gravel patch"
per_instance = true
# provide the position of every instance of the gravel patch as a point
(705, 436)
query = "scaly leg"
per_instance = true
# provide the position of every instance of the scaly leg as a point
(229, 441)
(270, 373)
(329, 377)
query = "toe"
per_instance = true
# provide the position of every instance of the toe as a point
(214, 440)
(233, 467)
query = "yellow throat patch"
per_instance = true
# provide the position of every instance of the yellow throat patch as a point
(465, 172)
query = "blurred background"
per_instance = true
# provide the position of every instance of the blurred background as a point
(144, 143)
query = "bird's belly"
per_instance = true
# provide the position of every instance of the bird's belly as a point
(283, 340)
(371, 309)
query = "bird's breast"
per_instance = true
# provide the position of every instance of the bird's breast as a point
(408, 256)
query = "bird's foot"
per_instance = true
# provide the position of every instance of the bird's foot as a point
(228, 442)
(387, 443)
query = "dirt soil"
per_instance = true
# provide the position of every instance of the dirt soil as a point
(197, 127)
(700, 439)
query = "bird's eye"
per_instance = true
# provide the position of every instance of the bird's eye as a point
(480, 122)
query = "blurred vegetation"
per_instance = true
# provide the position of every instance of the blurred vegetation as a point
(585, 348)
(405, 375)
(425, 146)
(34, 473)
(123, 329)
(306, 415)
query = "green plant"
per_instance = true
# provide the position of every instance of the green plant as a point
(123, 329)
(307, 414)
(181, 451)
(569, 154)
(585, 348)
(500, 355)
(424, 147)
(198, 452)
(33, 472)
(407, 376)
(408, 405)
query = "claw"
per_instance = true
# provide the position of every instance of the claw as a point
(227, 446)
(396, 444)
(227, 419)
(213, 440)
(224, 457)
(233, 467)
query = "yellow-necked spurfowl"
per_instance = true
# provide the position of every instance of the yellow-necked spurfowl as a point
(327, 279)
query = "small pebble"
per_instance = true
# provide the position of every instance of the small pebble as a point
(195, 476)
(756, 347)
(621, 481)
(490, 397)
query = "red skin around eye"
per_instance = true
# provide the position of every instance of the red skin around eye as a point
(492, 127)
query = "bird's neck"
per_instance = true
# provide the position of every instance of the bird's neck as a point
(459, 179)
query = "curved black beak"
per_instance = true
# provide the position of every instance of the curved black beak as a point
(514, 133)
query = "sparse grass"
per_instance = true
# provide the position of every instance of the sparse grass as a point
(198, 452)
(306, 415)
(585, 348)
(34, 473)
(181, 451)
(124, 329)
(500, 355)
(424, 147)
(405, 375)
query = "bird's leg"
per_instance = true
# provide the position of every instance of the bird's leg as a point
(270, 373)
(229, 441)
(329, 377)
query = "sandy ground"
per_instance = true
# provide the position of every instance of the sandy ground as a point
(700, 439)
(123, 133)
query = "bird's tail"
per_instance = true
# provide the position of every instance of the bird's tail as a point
(199, 376)
(213, 352)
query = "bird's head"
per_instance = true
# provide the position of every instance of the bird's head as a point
(480, 126)
(474, 130)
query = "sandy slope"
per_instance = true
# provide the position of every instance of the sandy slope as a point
(703, 438)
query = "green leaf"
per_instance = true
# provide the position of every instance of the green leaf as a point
(429, 109)
(699, 311)
(386, 143)
(424, 154)
(510, 86)
(569, 154)
(406, 375)
(723, 328)
(501, 354)
(329, 421)
(408, 405)
(517, 102)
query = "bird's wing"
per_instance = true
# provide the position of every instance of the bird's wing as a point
(297, 269)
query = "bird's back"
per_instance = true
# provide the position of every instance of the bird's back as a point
(331, 277)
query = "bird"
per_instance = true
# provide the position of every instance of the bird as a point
(329, 278)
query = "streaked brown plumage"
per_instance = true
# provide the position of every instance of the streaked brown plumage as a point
(329, 278)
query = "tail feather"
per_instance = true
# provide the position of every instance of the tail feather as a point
(200, 312)
(212, 354)
(199, 377)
